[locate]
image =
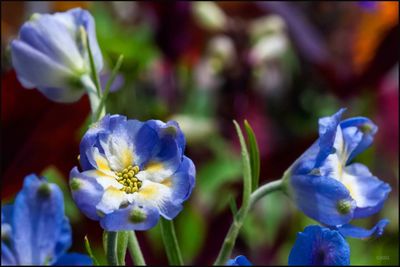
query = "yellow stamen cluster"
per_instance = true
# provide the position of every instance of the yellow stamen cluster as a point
(128, 179)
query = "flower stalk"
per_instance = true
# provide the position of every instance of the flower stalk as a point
(171, 242)
(238, 220)
(111, 250)
(134, 249)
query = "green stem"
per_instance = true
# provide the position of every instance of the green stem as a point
(170, 242)
(264, 190)
(134, 249)
(112, 248)
(94, 99)
(238, 220)
(122, 244)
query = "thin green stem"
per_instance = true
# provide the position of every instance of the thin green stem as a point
(264, 190)
(170, 242)
(134, 249)
(101, 107)
(112, 258)
(122, 244)
(238, 220)
(95, 75)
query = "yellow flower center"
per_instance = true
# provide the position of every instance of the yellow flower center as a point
(128, 179)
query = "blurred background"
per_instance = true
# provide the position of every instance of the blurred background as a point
(280, 65)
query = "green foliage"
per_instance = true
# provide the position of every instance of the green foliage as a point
(191, 227)
(254, 156)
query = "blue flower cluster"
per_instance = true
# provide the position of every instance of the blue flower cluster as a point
(34, 229)
(132, 172)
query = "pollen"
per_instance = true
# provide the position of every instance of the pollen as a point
(127, 177)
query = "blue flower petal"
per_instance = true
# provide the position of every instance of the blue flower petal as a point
(319, 246)
(143, 138)
(327, 135)
(84, 18)
(183, 180)
(368, 191)
(38, 218)
(45, 73)
(7, 257)
(86, 192)
(91, 138)
(74, 259)
(239, 261)
(134, 217)
(6, 213)
(169, 128)
(322, 198)
(64, 240)
(360, 132)
(349, 230)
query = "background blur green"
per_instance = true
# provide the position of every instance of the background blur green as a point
(281, 66)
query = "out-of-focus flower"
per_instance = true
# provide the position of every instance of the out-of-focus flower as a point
(267, 25)
(196, 129)
(317, 245)
(51, 54)
(35, 230)
(220, 55)
(323, 183)
(209, 15)
(133, 172)
(239, 261)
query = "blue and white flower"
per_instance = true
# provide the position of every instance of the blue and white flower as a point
(132, 172)
(239, 261)
(326, 185)
(35, 230)
(51, 54)
(319, 246)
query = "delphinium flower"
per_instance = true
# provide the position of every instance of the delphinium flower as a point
(326, 185)
(35, 230)
(319, 246)
(132, 172)
(239, 261)
(51, 54)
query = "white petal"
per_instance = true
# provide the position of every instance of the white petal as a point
(118, 152)
(111, 200)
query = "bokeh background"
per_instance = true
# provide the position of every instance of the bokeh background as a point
(280, 65)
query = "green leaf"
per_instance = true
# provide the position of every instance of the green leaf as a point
(245, 165)
(122, 244)
(90, 253)
(254, 156)
(53, 175)
(232, 205)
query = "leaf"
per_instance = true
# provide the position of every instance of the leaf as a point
(232, 205)
(245, 165)
(254, 156)
(90, 253)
